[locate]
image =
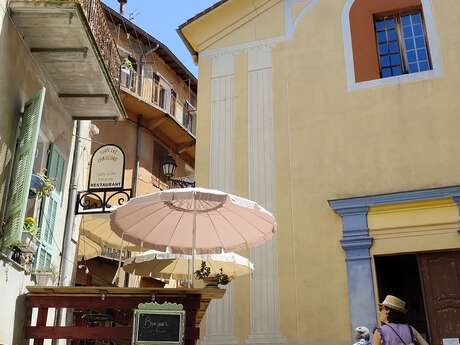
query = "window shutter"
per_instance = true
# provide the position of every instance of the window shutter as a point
(22, 167)
(51, 205)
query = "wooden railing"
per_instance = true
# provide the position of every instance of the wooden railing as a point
(97, 21)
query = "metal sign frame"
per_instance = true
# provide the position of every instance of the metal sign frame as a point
(103, 200)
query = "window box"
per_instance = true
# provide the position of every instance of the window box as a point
(29, 243)
(23, 253)
(46, 276)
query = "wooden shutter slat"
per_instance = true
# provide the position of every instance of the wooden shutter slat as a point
(23, 166)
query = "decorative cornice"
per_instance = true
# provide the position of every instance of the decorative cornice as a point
(268, 43)
(291, 22)
(457, 201)
(342, 205)
(240, 48)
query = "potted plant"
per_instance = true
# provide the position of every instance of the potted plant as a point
(127, 64)
(211, 281)
(41, 185)
(30, 234)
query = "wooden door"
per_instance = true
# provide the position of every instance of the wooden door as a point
(440, 276)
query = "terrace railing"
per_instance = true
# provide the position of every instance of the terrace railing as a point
(107, 46)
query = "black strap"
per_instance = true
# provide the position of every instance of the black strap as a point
(399, 335)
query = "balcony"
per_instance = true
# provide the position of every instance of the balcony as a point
(72, 43)
(154, 103)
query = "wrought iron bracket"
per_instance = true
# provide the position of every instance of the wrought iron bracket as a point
(180, 183)
(96, 201)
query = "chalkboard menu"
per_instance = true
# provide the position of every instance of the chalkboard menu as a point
(158, 327)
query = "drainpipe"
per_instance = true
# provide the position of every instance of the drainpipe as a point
(135, 178)
(64, 269)
(142, 71)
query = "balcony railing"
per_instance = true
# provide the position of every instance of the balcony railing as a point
(97, 21)
(115, 254)
(157, 95)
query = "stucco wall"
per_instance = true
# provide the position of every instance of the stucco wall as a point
(331, 143)
(123, 134)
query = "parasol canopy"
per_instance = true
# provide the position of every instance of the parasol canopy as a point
(178, 220)
(177, 266)
(96, 228)
(88, 249)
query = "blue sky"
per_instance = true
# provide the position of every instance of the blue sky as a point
(160, 18)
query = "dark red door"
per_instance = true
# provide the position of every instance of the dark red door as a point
(440, 276)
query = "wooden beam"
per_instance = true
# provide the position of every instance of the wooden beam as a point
(182, 147)
(61, 332)
(85, 95)
(94, 302)
(157, 123)
(82, 50)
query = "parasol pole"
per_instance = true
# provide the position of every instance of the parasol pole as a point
(193, 236)
(119, 260)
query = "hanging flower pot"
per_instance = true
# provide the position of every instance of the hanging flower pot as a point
(36, 185)
(40, 186)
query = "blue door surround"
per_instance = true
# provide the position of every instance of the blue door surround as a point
(356, 243)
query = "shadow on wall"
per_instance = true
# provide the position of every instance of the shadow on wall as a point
(19, 319)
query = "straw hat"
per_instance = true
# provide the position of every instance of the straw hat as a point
(395, 303)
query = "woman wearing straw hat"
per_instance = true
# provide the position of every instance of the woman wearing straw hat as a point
(395, 330)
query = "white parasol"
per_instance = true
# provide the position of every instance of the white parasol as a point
(181, 220)
(177, 266)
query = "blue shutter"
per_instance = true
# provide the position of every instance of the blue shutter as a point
(22, 167)
(50, 207)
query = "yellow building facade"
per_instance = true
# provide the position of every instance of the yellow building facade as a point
(353, 150)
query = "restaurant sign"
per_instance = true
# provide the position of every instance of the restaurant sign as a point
(107, 168)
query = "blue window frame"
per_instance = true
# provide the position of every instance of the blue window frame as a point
(401, 44)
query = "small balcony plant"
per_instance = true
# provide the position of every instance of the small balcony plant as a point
(30, 234)
(127, 64)
(23, 251)
(204, 273)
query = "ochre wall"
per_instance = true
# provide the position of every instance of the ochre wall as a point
(331, 143)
